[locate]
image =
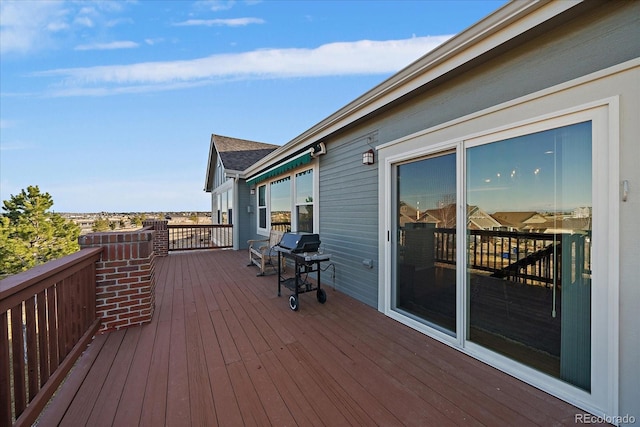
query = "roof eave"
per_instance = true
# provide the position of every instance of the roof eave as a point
(478, 39)
(208, 179)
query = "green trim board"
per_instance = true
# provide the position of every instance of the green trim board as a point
(280, 169)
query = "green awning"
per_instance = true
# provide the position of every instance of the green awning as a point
(280, 169)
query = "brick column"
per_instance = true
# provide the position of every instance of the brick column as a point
(161, 238)
(125, 282)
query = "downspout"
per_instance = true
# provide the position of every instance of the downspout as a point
(236, 214)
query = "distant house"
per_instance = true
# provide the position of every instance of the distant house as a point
(445, 216)
(567, 225)
(228, 158)
(520, 221)
(535, 105)
(480, 220)
(409, 214)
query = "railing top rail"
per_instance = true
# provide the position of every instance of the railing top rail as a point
(49, 271)
(519, 234)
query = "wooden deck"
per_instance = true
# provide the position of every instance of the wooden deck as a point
(223, 349)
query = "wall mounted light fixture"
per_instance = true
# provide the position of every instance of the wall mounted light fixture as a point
(367, 157)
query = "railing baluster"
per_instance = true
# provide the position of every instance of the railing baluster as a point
(43, 320)
(5, 372)
(31, 347)
(18, 356)
(43, 336)
(52, 316)
(199, 236)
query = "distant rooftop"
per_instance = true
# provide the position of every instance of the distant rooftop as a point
(239, 154)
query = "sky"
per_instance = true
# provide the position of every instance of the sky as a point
(109, 106)
(547, 171)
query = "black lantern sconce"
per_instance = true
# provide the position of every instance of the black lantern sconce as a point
(367, 157)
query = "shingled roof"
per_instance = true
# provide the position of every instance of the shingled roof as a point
(238, 154)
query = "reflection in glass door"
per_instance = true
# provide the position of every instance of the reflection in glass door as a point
(424, 286)
(529, 273)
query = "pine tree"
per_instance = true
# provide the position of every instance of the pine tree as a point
(30, 234)
(100, 224)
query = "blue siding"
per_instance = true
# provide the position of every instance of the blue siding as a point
(349, 216)
(349, 190)
(245, 221)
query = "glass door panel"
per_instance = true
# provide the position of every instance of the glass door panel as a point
(424, 286)
(529, 250)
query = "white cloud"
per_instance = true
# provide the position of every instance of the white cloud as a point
(151, 42)
(22, 23)
(84, 21)
(215, 5)
(108, 46)
(16, 146)
(345, 58)
(57, 26)
(232, 22)
(28, 26)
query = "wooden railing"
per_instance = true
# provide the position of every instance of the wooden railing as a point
(47, 318)
(533, 258)
(208, 236)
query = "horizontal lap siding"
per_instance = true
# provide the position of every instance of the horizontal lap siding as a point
(606, 36)
(349, 190)
(246, 221)
(349, 217)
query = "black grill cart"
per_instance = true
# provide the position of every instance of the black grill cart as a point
(302, 249)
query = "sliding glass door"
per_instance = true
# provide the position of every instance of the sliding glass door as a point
(529, 277)
(425, 251)
(527, 265)
(502, 244)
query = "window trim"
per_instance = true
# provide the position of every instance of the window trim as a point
(262, 230)
(313, 166)
(216, 194)
(294, 196)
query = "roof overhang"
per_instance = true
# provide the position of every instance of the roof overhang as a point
(294, 162)
(506, 23)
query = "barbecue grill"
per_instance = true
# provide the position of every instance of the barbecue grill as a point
(299, 242)
(302, 248)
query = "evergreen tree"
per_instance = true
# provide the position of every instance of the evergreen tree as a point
(101, 224)
(30, 234)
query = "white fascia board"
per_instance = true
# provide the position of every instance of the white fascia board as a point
(207, 177)
(508, 22)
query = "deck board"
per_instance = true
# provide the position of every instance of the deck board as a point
(107, 401)
(224, 349)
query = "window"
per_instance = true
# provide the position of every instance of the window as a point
(280, 204)
(222, 204)
(304, 200)
(287, 203)
(262, 207)
(225, 207)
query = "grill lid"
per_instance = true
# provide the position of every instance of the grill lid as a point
(300, 242)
